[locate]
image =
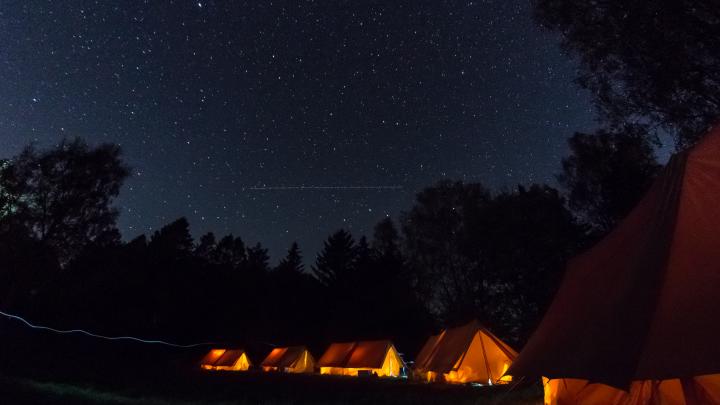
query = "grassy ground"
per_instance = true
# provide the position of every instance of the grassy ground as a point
(253, 388)
(47, 369)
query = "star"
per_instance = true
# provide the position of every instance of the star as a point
(224, 110)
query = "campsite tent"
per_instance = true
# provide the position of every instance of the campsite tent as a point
(223, 359)
(635, 320)
(468, 353)
(377, 357)
(295, 359)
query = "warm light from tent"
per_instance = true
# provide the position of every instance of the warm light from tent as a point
(505, 378)
(289, 360)
(390, 367)
(354, 372)
(459, 376)
(388, 370)
(241, 364)
(211, 358)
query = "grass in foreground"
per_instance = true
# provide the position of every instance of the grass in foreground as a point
(230, 388)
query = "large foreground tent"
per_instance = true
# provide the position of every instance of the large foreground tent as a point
(223, 359)
(295, 359)
(377, 357)
(637, 317)
(468, 353)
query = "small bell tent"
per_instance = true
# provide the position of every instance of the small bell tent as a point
(378, 357)
(468, 353)
(295, 359)
(223, 359)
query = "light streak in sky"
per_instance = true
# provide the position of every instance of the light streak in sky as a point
(263, 188)
(94, 335)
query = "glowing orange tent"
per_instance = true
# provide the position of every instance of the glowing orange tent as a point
(295, 359)
(468, 353)
(377, 357)
(636, 318)
(223, 359)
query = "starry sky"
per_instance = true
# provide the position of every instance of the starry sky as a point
(220, 105)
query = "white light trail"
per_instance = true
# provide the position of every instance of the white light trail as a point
(270, 188)
(95, 335)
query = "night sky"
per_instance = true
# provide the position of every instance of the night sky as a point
(212, 101)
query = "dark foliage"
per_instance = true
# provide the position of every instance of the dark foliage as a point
(606, 174)
(436, 230)
(336, 261)
(522, 243)
(495, 258)
(292, 263)
(653, 62)
(63, 195)
(368, 292)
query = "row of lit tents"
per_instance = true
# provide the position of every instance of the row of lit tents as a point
(469, 353)
(636, 319)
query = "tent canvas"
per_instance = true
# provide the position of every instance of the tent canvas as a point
(468, 353)
(224, 359)
(211, 357)
(336, 355)
(377, 357)
(636, 317)
(295, 359)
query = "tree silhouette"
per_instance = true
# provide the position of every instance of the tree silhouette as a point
(258, 259)
(495, 258)
(606, 174)
(172, 239)
(205, 248)
(521, 244)
(435, 231)
(337, 260)
(230, 251)
(386, 239)
(364, 257)
(11, 192)
(655, 62)
(63, 195)
(296, 300)
(293, 261)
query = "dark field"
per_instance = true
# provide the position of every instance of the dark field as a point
(254, 388)
(43, 368)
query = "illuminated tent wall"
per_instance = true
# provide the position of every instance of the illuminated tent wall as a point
(377, 357)
(468, 353)
(296, 359)
(222, 359)
(637, 317)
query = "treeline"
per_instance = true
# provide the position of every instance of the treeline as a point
(459, 252)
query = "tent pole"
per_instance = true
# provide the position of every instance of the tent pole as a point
(487, 366)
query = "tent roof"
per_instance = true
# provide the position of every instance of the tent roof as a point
(362, 354)
(212, 356)
(427, 351)
(336, 355)
(369, 354)
(642, 303)
(442, 352)
(229, 358)
(283, 357)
